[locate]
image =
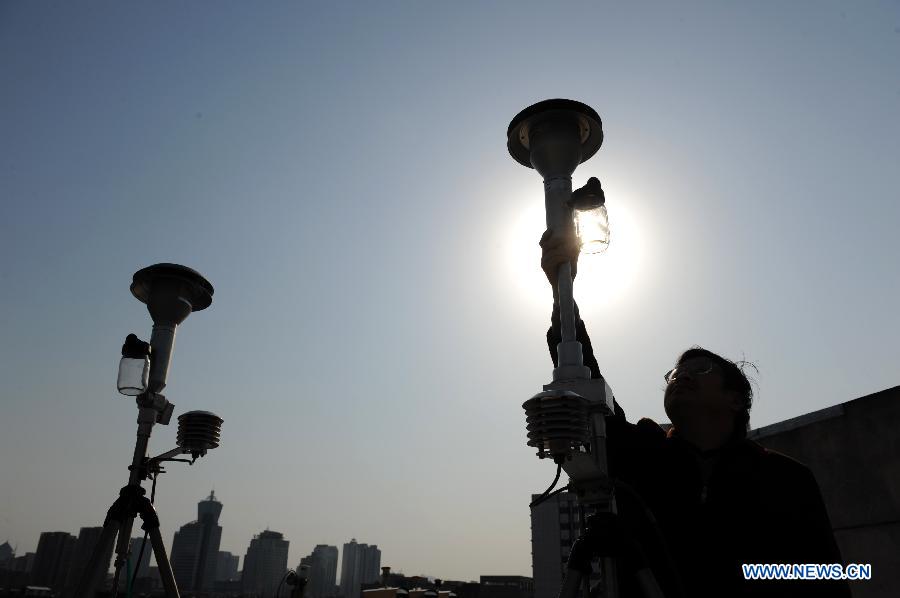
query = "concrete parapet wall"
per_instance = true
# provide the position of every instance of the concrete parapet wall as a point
(854, 451)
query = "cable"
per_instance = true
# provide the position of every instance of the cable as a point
(547, 493)
(138, 565)
(129, 580)
(558, 491)
(280, 583)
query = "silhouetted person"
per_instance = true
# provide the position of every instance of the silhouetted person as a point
(720, 499)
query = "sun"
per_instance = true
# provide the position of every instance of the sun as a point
(604, 279)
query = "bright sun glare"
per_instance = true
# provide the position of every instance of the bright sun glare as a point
(603, 279)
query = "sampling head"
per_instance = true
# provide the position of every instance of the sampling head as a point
(171, 292)
(554, 136)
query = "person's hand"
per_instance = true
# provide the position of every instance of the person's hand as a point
(557, 250)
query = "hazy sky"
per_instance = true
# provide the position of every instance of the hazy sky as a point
(339, 173)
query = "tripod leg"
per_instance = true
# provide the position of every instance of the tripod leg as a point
(162, 561)
(648, 584)
(572, 583)
(608, 567)
(95, 571)
(151, 526)
(122, 548)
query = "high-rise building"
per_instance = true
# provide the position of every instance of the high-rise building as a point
(265, 564)
(6, 554)
(13, 574)
(24, 563)
(360, 563)
(227, 567)
(555, 525)
(195, 548)
(322, 564)
(52, 560)
(142, 568)
(371, 565)
(84, 548)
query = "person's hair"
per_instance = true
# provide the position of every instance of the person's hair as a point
(734, 379)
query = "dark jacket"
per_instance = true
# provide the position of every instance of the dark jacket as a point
(716, 510)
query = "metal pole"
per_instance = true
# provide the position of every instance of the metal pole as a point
(557, 191)
(570, 362)
(162, 342)
(146, 419)
(606, 503)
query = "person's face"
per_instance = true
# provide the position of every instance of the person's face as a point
(697, 386)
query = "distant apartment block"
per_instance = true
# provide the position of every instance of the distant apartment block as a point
(360, 563)
(142, 568)
(322, 563)
(13, 573)
(84, 548)
(264, 565)
(6, 555)
(24, 563)
(52, 559)
(227, 566)
(555, 525)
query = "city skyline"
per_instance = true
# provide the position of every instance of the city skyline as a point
(339, 173)
(369, 570)
(60, 562)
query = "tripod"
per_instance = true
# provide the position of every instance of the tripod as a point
(171, 293)
(602, 536)
(131, 503)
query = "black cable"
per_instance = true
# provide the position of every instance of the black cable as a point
(138, 565)
(280, 583)
(547, 493)
(557, 491)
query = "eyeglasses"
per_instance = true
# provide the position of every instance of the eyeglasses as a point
(693, 367)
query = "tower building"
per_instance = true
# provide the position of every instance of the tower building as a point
(195, 548)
